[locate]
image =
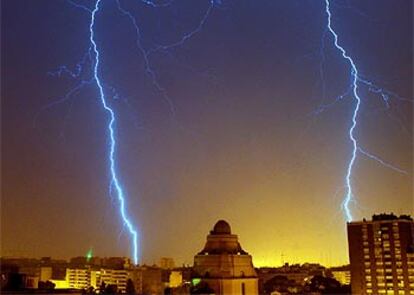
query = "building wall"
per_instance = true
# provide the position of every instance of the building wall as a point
(45, 273)
(60, 284)
(378, 257)
(175, 279)
(115, 277)
(233, 286)
(224, 265)
(342, 276)
(78, 278)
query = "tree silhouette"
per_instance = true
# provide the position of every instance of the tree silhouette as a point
(130, 288)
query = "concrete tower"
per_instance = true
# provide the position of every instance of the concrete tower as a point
(223, 266)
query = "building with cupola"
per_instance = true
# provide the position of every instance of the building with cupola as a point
(223, 267)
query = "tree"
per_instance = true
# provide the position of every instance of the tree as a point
(327, 285)
(48, 285)
(279, 283)
(111, 289)
(201, 288)
(102, 288)
(130, 288)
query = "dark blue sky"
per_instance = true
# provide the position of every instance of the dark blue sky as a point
(245, 143)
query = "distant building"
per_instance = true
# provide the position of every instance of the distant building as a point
(223, 266)
(167, 263)
(342, 274)
(147, 280)
(381, 253)
(175, 279)
(78, 278)
(118, 277)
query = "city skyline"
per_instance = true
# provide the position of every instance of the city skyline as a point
(245, 122)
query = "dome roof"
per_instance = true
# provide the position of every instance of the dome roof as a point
(221, 228)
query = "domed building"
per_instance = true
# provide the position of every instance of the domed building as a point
(223, 266)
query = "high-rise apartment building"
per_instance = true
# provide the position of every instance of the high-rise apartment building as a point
(381, 253)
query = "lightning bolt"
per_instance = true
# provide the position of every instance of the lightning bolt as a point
(146, 54)
(113, 144)
(349, 196)
(353, 90)
(89, 66)
(381, 161)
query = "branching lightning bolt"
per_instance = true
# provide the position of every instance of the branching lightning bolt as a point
(381, 161)
(89, 66)
(353, 90)
(354, 80)
(147, 53)
(112, 149)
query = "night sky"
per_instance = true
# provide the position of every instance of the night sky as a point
(245, 142)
